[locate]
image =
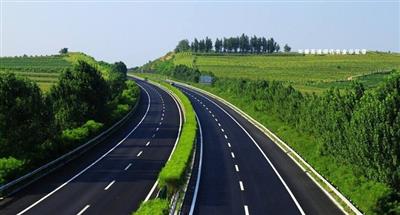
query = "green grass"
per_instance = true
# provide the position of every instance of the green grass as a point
(306, 73)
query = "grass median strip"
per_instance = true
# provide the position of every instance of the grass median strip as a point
(172, 175)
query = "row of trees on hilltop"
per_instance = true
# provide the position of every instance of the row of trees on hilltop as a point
(242, 44)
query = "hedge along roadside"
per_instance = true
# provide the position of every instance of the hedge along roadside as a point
(25, 180)
(338, 198)
(172, 176)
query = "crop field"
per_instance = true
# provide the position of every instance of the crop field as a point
(306, 73)
(45, 70)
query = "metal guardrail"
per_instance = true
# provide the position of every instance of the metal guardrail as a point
(23, 181)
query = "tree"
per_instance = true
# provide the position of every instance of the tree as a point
(202, 46)
(195, 45)
(264, 44)
(209, 44)
(117, 78)
(182, 46)
(277, 47)
(80, 95)
(218, 45)
(253, 44)
(24, 121)
(287, 48)
(63, 51)
(244, 43)
(235, 43)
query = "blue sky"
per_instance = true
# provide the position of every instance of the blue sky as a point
(138, 31)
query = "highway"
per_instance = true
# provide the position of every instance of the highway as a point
(244, 172)
(115, 176)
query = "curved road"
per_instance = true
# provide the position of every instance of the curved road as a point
(113, 177)
(244, 172)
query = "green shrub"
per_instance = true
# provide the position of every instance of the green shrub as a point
(172, 174)
(153, 207)
(9, 168)
(82, 133)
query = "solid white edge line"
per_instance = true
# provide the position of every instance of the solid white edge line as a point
(96, 161)
(196, 189)
(246, 210)
(109, 185)
(83, 210)
(262, 152)
(127, 167)
(176, 141)
(140, 153)
(241, 185)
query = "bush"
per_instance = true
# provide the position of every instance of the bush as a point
(153, 207)
(81, 133)
(10, 168)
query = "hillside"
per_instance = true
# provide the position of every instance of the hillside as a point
(305, 73)
(45, 69)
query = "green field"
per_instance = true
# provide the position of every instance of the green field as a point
(306, 73)
(42, 69)
(45, 70)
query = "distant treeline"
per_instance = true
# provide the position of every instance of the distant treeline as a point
(37, 127)
(242, 44)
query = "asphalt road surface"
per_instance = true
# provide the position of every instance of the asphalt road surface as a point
(113, 177)
(244, 172)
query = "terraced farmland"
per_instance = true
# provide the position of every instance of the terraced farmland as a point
(43, 69)
(306, 73)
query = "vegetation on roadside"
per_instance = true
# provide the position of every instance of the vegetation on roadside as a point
(153, 207)
(36, 127)
(350, 134)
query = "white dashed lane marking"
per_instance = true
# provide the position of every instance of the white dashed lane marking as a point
(233, 155)
(148, 143)
(236, 168)
(140, 153)
(241, 185)
(127, 167)
(246, 210)
(109, 185)
(83, 210)
(229, 145)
